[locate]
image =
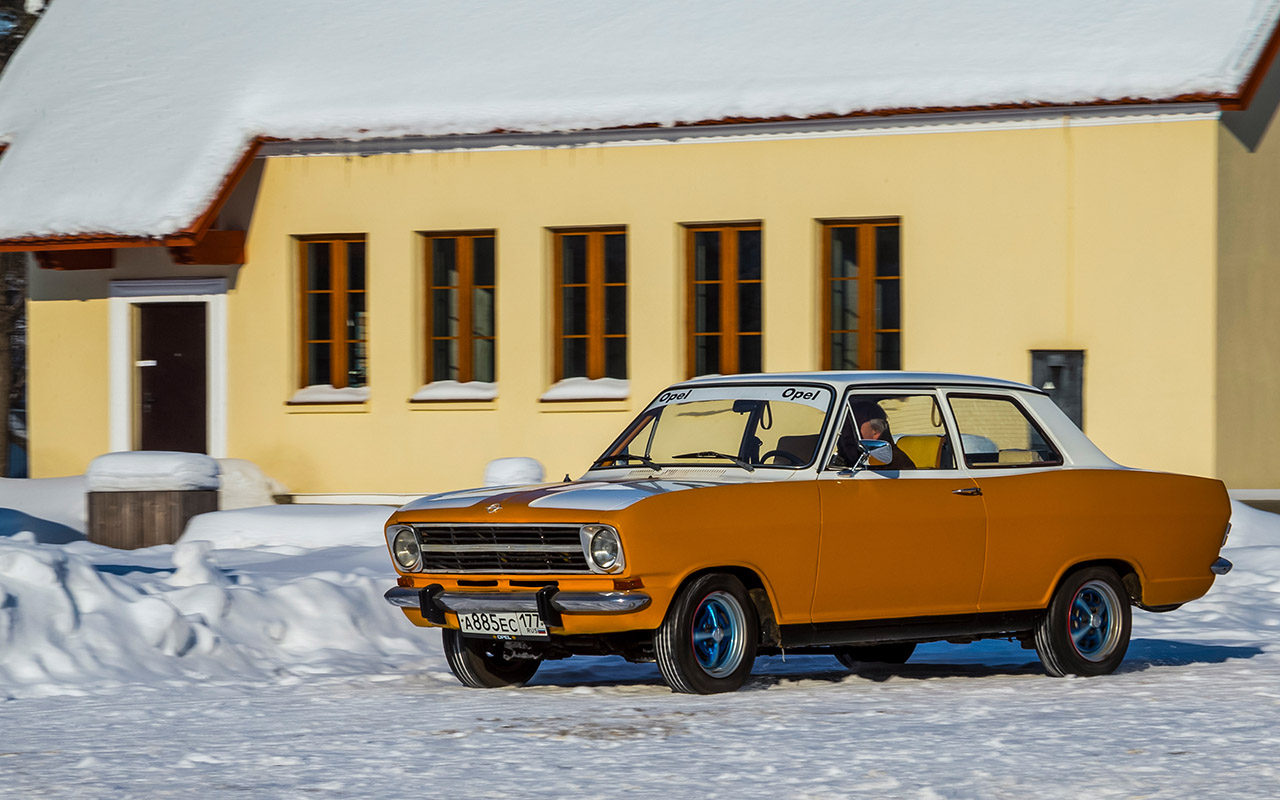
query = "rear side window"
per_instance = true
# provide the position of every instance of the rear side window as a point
(996, 432)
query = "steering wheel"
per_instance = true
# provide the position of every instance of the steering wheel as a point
(792, 457)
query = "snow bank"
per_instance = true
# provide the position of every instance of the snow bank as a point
(69, 623)
(290, 528)
(512, 472)
(243, 484)
(152, 470)
(53, 509)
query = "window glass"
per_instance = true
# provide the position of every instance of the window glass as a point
(615, 358)
(726, 300)
(749, 255)
(615, 258)
(911, 422)
(355, 266)
(333, 317)
(482, 259)
(706, 256)
(591, 304)
(317, 266)
(761, 426)
(573, 257)
(356, 370)
(863, 295)
(996, 432)
(461, 307)
(615, 309)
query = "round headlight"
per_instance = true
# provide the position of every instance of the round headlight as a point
(605, 548)
(404, 548)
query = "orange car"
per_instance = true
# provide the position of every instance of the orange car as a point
(851, 513)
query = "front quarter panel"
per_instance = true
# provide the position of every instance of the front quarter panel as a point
(769, 528)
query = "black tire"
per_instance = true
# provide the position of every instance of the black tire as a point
(896, 653)
(485, 664)
(707, 643)
(1085, 630)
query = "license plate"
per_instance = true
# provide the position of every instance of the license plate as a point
(503, 625)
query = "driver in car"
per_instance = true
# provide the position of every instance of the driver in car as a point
(873, 424)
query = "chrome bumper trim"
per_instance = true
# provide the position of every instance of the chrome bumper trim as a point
(1220, 567)
(565, 602)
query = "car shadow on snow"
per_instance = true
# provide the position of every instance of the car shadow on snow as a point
(933, 661)
(1146, 653)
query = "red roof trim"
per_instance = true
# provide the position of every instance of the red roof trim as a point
(1244, 96)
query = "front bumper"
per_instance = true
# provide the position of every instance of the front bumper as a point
(429, 601)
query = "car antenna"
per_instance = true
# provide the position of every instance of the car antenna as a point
(566, 478)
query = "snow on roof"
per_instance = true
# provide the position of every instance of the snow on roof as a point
(124, 118)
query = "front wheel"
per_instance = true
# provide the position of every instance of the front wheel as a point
(1085, 630)
(707, 643)
(485, 664)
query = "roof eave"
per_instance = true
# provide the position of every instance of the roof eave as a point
(187, 237)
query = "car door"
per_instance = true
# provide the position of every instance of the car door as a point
(1037, 511)
(903, 542)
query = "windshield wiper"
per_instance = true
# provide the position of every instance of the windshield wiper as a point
(645, 460)
(714, 454)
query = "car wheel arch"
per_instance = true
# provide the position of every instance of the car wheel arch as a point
(758, 590)
(1130, 575)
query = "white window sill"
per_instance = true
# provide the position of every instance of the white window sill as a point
(327, 395)
(455, 392)
(578, 389)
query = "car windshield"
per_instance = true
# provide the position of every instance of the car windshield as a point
(744, 426)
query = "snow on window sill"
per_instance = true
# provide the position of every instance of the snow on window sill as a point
(587, 389)
(327, 394)
(455, 392)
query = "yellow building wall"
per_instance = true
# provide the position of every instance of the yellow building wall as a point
(1097, 238)
(66, 385)
(1248, 377)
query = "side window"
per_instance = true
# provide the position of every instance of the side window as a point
(461, 307)
(912, 422)
(333, 318)
(996, 432)
(590, 296)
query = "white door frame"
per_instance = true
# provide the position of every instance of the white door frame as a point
(124, 295)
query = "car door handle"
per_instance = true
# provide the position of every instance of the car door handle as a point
(968, 490)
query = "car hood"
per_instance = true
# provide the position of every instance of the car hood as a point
(578, 496)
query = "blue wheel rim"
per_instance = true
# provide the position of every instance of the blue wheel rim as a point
(718, 635)
(1093, 622)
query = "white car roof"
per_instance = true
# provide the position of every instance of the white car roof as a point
(847, 378)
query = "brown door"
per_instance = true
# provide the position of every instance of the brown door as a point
(172, 379)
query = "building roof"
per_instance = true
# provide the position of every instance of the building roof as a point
(127, 119)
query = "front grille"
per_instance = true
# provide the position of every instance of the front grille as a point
(501, 548)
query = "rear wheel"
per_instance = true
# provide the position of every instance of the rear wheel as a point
(487, 664)
(707, 643)
(1085, 630)
(896, 653)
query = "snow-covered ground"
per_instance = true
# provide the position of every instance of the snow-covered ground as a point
(256, 658)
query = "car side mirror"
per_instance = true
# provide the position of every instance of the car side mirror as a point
(874, 451)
